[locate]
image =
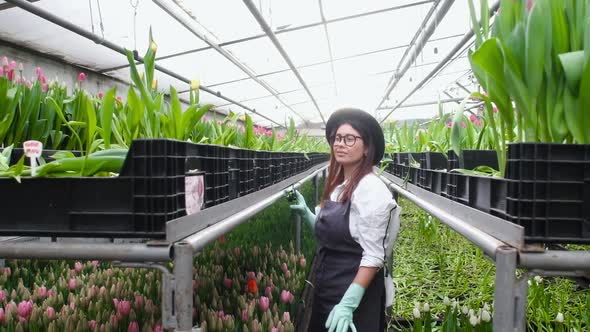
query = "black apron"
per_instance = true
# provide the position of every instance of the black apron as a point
(339, 258)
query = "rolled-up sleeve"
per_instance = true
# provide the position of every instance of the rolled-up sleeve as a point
(370, 212)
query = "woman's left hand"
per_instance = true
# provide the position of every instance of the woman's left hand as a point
(340, 318)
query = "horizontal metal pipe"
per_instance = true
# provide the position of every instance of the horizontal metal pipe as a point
(484, 241)
(199, 240)
(87, 251)
(556, 260)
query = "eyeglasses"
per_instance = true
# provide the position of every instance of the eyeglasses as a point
(349, 139)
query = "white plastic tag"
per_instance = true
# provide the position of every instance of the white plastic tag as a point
(33, 150)
(194, 193)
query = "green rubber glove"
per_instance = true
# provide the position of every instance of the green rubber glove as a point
(340, 318)
(301, 208)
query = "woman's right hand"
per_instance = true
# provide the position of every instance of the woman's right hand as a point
(300, 207)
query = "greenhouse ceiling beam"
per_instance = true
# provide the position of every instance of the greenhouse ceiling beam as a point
(325, 26)
(463, 87)
(177, 13)
(413, 41)
(348, 57)
(266, 28)
(433, 102)
(35, 10)
(306, 26)
(418, 45)
(446, 59)
(6, 6)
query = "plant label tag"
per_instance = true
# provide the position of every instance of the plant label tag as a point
(33, 149)
(194, 193)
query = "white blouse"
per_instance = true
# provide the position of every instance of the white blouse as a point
(372, 214)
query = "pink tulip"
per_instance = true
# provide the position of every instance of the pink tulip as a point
(3, 296)
(139, 301)
(42, 292)
(264, 303)
(7, 271)
(72, 284)
(529, 5)
(81, 77)
(50, 293)
(495, 109)
(109, 272)
(92, 325)
(95, 263)
(251, 275)
(463, 124)
(50, 312)
(29, 84)
(42, 79)
(44, 87)
(245, 315)
(133, 327)
(114, 321)
(1, 71)
(2, 315)
(4, 62)
(450, 124)
(24, 309)
(286, 317)
(123, 307)
(274, 329)
(119, 98)
(284, 267)
(73, 305)
(78, 267)
(288, 274)
(227, 282)
(158, 328)
(302, 262)
(12, 65)
(100, 95)
(268, 292)
(286, 296)
(38, 71)
(10, 75)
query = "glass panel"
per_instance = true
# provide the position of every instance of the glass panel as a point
(306, 46)
(249, 53)
(340, 8)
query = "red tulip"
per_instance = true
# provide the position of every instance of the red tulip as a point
(252, 287)
(10, 75)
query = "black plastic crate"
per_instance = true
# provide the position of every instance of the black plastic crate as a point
(488, 194)
(405, 158)
(263, 175)
(472, 159)
(246, 178)
(156, 184)
(549, 191)
(433, 160)
(432, 180)
(458, 187)
(214, 161)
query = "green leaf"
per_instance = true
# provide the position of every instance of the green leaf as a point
(536, 47)
(584, 107)
(572, 64)
(106, 116)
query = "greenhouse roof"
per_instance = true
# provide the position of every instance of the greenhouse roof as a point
(315, 56)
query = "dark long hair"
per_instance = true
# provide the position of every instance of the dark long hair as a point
(336, 171)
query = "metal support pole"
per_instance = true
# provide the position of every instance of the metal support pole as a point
(297, 217)
(505, 287)
(183, 296)
(316, 185)
(521, 292)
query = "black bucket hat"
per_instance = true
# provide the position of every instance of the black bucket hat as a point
(362, 122)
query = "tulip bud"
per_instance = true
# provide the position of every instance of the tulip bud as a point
(416, 313)
(4, 62)
(473, 320)
(20, 66)
(559, 318)
(485, 316)
(154, 84)
(81, 77)
(153, 46)
(195, 84)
